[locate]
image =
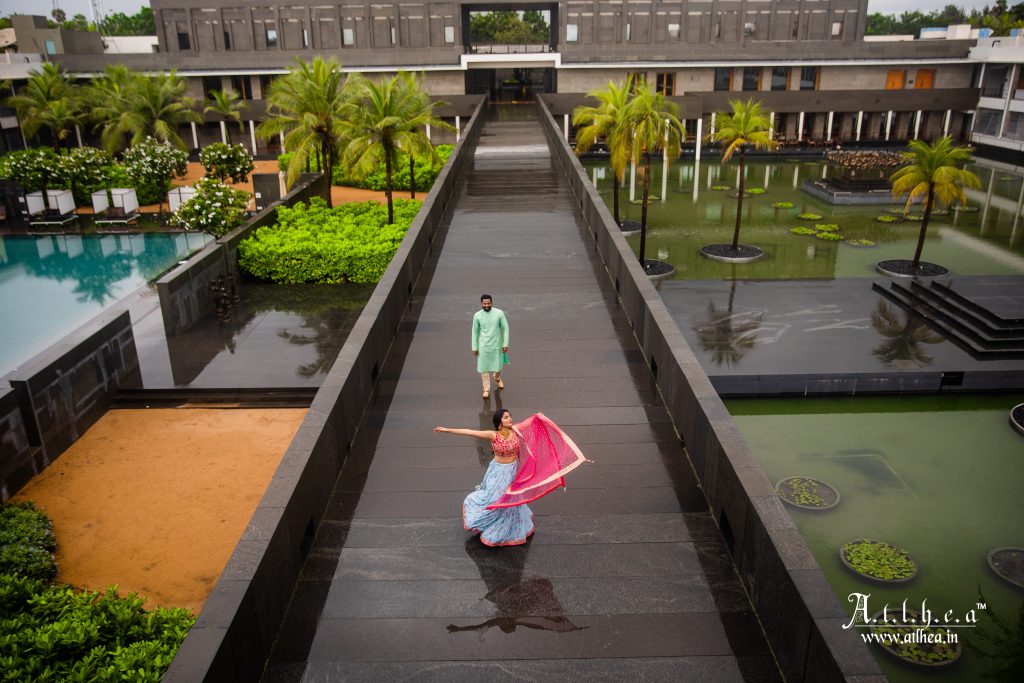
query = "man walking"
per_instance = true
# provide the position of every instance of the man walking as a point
(489, 342)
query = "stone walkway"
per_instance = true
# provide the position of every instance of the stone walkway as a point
(627, 576)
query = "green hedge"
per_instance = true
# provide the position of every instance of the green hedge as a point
(426, 172)
(349, 243)
(26, 542)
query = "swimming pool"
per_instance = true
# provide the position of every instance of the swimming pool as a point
(51, 284)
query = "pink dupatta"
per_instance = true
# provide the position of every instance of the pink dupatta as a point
(546, 454)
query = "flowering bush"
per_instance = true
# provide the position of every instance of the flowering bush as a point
(151, 165)
(34, 169)
(226, 161)
(349, 243)
(214, 208)
(85, 170)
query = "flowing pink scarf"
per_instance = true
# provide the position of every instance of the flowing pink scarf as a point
(546, 454)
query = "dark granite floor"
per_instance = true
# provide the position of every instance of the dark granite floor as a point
(627, 576)
(763, 337)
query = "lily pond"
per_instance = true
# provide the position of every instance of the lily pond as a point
(939, 476)
(696, 205)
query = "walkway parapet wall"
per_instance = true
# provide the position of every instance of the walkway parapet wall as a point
(236, 629)
(184, 291)
(801, 616)
(62, 392)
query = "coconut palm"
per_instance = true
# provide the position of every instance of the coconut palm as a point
(653, 125)
(48, 100)
(379, 124)
(308, 106)
(605, 122)
(228, 105)
(728, 336)
(414, 141)
(746, 126)
(903, 338)
(934, 173)
(133, 106)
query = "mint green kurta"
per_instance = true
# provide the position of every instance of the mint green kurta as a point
(490, 334)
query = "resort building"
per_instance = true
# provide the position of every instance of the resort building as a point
(806, 60)
(999, 122)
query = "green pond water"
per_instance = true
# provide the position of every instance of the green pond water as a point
(987, 241)
(941, 476)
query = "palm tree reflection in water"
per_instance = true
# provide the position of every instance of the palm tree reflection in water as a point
(728, 336)
(529, 602)
(903, 338)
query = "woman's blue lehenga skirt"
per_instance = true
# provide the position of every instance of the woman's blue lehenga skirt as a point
(502, 526)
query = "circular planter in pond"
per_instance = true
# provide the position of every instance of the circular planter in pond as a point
(878, 561)
(743, 253)
(965, 209)
(1017, 418)
(658, 270)
(1008, 564)
(904, 268)
(807, 493)
(629, 228)
(862, 244)
(929, 654)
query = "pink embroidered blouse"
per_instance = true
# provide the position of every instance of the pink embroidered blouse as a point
(505, 447)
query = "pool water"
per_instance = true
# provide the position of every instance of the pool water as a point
(986, 241)
(941, 476)
(51, 284)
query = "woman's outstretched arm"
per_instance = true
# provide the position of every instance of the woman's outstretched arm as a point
(487, 435)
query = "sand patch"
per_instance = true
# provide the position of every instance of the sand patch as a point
(155, 500)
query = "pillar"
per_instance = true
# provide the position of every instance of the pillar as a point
(771, 125)
(632, 180)
(458, 129)
(917, 125)
(946, 120)
(696, 148)
(252, 136)
(664, 164)
(860, 120)
(565, 125)
(195, 136)
(280, 136)
(78, 134)
(696, 179)
(828, 126)
(712, 123)
(800, 127)
(428, 131)
(888, 124)
(223, 133)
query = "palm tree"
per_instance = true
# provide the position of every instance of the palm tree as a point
(309, 106)
(653, 125)
(903, 339)
(414, 140)
(747, 125)
(934, 172)
(605, 122)
(137, 106)
(378, 126)
(728, 336)
(228, 105)
(48, 100)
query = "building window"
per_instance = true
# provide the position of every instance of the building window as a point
(987, 121)
(211, 83)
(673, 30)
(183, 41)
(837, 29)
(1014, 126)
(348, 37)
(749, 28)
(666, 84)
(265, 81)
(305, 38)
(51, 46)
(635, 78)
(751, 77)
(243, 86)
(227, 40)
(780, 77)
(570, 33)
(449, 34)
(723, 79)
(271, 37)
(995, 80)
(809, 78)
(894, 79)
(924, 79)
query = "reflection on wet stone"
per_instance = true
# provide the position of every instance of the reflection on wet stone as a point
(528, 602)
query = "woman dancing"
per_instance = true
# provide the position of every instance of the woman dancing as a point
(498, 526)
(530, 459)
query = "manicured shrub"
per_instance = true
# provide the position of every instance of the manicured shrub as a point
(349, 243)
(26, 542)
(34, 169)
(85, 170)
(151, 165)
(426, 173)
(214, 208)
(222, 162)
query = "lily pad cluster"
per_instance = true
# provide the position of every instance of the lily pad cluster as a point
(807, 493)
(756, 190)
(782, 205)
(889, 218)
(809, 217)
(721, 188)
(879, 560)
(936, 653)
(823, 231)
(800, 230)
(860, 243)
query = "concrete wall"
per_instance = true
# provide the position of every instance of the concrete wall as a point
(62, 392)
(18, 463)
(801, 616)
(232, 637)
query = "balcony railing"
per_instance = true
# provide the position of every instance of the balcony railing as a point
(992, 91)
(509, 49)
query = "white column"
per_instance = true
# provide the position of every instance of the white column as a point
(1016, 217)
(1008, 96)
(888, 124)
(458, 129)
(713, 123)
(767, 173)
(696, 148)
(696, 179)
(917, 125)
(737, 179)
(828, 126)
(860, 120)
(565, 126)
(771, 125)
(252, 136)
(796, 176)
(632, 180)
(945, 122)
(78, 134)
(223, 133)
(280, 136)
(988, 202)
(664, 165)
(428, 131)
(195, 136)
(800, 127)
(595, 177)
